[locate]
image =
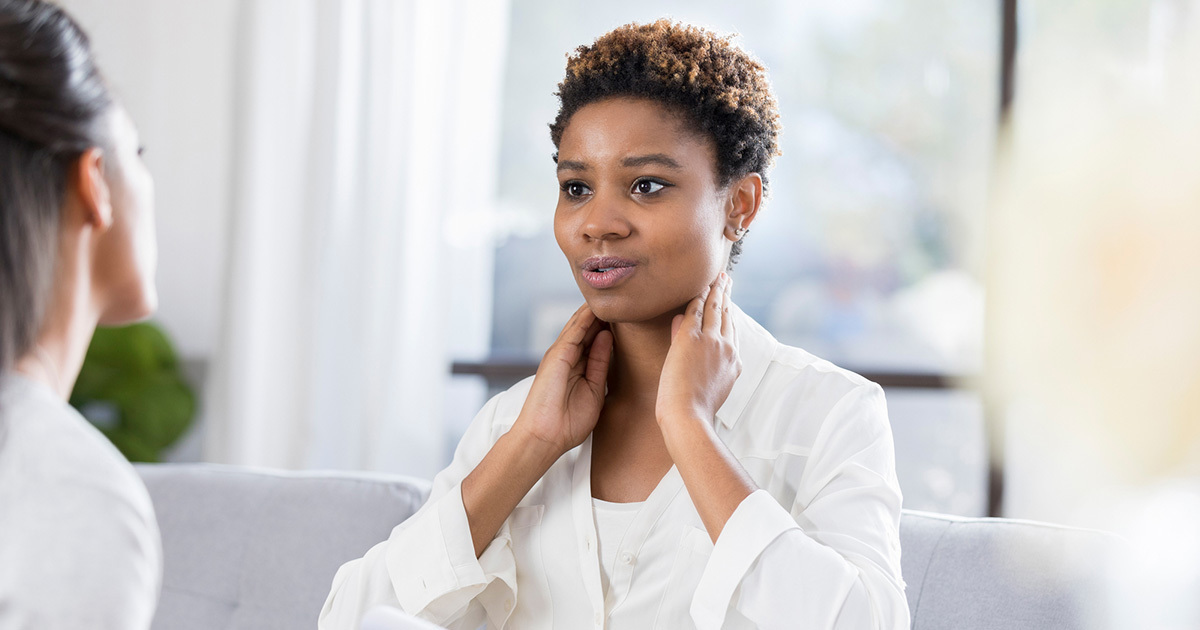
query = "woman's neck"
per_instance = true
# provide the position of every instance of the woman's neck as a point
(67, 326)
(638, 356)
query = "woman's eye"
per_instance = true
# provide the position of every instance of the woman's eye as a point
(575, 189)
(647, 186)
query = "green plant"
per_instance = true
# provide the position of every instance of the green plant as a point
(132, 389)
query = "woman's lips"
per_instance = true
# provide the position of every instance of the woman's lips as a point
(603, 272)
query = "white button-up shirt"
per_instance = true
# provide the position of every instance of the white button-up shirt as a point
(816, 547)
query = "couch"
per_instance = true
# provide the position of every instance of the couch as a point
(250, 549)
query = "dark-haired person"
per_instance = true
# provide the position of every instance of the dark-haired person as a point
(670, 465)
(79, 544)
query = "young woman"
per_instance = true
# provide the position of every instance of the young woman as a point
(671, 465)
(79, 544)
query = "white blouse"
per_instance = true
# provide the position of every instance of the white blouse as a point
(816, 547)
(79, 544)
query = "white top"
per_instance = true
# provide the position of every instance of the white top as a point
(612, 522)
(817, 547)
(79, 544)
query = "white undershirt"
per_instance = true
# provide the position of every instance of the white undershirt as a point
(612, 521)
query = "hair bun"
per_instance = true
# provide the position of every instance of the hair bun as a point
(51, 93)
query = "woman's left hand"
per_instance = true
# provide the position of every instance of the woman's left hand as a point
(703, 361)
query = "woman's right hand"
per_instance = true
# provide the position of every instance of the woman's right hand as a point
(567, 394)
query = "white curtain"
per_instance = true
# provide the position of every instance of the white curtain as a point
(367, 137)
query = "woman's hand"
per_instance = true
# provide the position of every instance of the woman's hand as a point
(567, 394)
(697, 377)
(563, 406)
(703, 362)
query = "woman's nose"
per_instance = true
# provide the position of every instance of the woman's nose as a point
(605, 220)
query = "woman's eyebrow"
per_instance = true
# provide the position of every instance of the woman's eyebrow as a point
(653, 158)
(570, 165)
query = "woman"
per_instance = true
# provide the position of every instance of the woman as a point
(79, 544)
(670, 465)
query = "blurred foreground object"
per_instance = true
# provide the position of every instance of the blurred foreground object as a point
(1094, 294)
(132, 389)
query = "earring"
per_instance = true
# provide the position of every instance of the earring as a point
(740, 232)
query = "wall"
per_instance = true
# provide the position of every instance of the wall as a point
(172, 65)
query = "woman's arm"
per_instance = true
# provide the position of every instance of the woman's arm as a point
(697, 377)
(561, 410)
(454, 552)
(831, 558)
(841, 568)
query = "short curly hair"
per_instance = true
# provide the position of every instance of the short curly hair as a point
(716, 86)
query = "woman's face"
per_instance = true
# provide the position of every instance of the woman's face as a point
(640, 216)
(127, 254)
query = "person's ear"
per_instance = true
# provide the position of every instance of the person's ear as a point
(745, 198)
(91, 189)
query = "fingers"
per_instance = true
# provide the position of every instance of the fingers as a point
(726, 309)
(593, 329)
(576, 334)
(693, 317)
(578, 326)
(599, 357)
(714, 305)
(582, 329)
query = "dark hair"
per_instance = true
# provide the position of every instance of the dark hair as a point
(52, 100)
(719, 88)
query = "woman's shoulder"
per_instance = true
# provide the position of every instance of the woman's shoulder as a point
(503, 408)
(53, 460)
(778, 369)
(814, 373)
(75, 513)
(788, 395)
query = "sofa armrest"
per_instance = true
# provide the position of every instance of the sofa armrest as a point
(990, 573)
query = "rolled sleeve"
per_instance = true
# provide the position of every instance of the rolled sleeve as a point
(427, 567)
(435, 571)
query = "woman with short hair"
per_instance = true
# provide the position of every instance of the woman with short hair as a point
(670, 465)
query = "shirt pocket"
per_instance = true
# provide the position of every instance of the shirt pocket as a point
(691, 557)
(533, 591)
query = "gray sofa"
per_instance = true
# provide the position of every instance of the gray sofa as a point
(256, 550)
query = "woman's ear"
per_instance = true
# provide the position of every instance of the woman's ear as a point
(745, 198)
(91, 190)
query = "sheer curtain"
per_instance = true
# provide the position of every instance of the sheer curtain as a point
(367, 139)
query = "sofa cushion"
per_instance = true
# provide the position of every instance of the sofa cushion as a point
(258, 549)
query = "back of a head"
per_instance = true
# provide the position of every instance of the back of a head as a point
(52, 101)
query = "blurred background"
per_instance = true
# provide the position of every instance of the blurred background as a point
(991, 208)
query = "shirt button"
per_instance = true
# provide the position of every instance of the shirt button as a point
(588, 544)
(599, 620)
(508, 605)
(627, 558)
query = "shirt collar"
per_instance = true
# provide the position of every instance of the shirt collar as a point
(756, 347)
